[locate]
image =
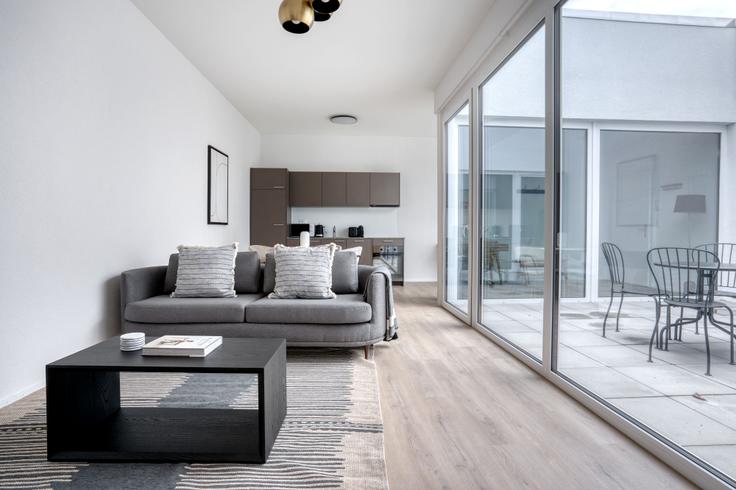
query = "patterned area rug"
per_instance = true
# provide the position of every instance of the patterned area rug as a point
(332, 436)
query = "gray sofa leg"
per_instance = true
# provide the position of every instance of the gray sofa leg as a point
(367, 351)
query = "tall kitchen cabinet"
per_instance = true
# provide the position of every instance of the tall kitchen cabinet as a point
(269, 205)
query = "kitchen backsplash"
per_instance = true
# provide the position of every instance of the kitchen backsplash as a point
(376, 221)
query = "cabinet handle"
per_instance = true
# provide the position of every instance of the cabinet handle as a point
(388, 241)
(279, 187)
(358, 241)
(278, 224)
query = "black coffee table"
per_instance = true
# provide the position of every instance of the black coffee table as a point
(86, 423)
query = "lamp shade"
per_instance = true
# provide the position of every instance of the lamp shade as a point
(296, 16)
(690, 203)
(326, 6)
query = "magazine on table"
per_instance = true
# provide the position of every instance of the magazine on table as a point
(182, 345)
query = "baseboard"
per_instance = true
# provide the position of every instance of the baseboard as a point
(421, 283)
(7, 400)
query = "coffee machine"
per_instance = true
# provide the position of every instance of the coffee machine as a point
(319, 231)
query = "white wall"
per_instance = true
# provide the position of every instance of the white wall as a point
(414, 158)
(104, 129)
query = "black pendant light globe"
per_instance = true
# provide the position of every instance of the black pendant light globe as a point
(296, 16)
(320, 17)
(326, 6)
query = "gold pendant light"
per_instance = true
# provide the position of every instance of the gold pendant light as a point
(326, 6)
(296, 16)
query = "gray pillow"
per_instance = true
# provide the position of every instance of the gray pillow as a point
(344, 273)
(269, 274)
(170, 279)
(247, 273)
(303, 272)
(206, 272)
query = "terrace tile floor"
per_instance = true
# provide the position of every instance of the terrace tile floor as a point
(671, 395)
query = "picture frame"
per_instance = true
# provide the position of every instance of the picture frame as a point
(218, 186)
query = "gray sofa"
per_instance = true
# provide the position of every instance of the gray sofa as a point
(353, 319)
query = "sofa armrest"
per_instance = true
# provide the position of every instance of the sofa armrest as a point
(138, 284)
(375, 295)
(364, 273)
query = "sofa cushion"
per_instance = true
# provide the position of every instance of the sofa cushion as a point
(269, 274)
(165, 309)
(344, 273)
(345, 308)
(247, 273)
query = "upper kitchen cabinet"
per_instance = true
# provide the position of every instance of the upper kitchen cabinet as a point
(269, 178)
(385, 189)
(334, 189)
(358, 189)
(305, 189)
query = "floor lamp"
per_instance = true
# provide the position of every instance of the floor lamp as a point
(690, 203)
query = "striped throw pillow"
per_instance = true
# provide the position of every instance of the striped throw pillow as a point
(206, 272)
(303, 272)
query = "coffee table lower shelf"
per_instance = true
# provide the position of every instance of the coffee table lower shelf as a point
(168, 435)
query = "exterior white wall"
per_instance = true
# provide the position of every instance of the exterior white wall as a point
(414, 158)
(727, 195)
(633, 71)
(104, 128)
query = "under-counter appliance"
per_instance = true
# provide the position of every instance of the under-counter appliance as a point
(296, 229)
(319, 230)
(389, 252)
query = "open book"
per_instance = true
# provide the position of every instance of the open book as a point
(182, 345)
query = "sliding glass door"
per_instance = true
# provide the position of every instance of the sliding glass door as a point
(457, 194)
(512, 196)
(645, 81)
(625, 112)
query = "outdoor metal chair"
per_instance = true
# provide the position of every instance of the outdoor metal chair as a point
(686, 278)
(726, 253)
(617, 271)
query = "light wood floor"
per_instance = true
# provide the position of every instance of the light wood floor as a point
(460, 412)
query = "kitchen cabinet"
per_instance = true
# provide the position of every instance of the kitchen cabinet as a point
(334, 189)
(366, 257)
(268, 216)
(358, 193)
(269, 178)
(269, 205)
(385, 189)
(305, 189)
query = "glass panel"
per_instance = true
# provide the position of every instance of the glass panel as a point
(512, 198)
(456, 210)
(655, 178)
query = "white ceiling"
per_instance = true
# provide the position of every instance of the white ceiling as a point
(377, 59)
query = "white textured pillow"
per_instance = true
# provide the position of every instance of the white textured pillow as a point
(206, 272)
(303, 272)
(262, 251)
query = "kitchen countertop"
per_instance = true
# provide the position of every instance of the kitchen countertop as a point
(347, 237)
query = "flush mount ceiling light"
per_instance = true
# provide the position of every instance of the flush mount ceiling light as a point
(343, 119)
(297, 16)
